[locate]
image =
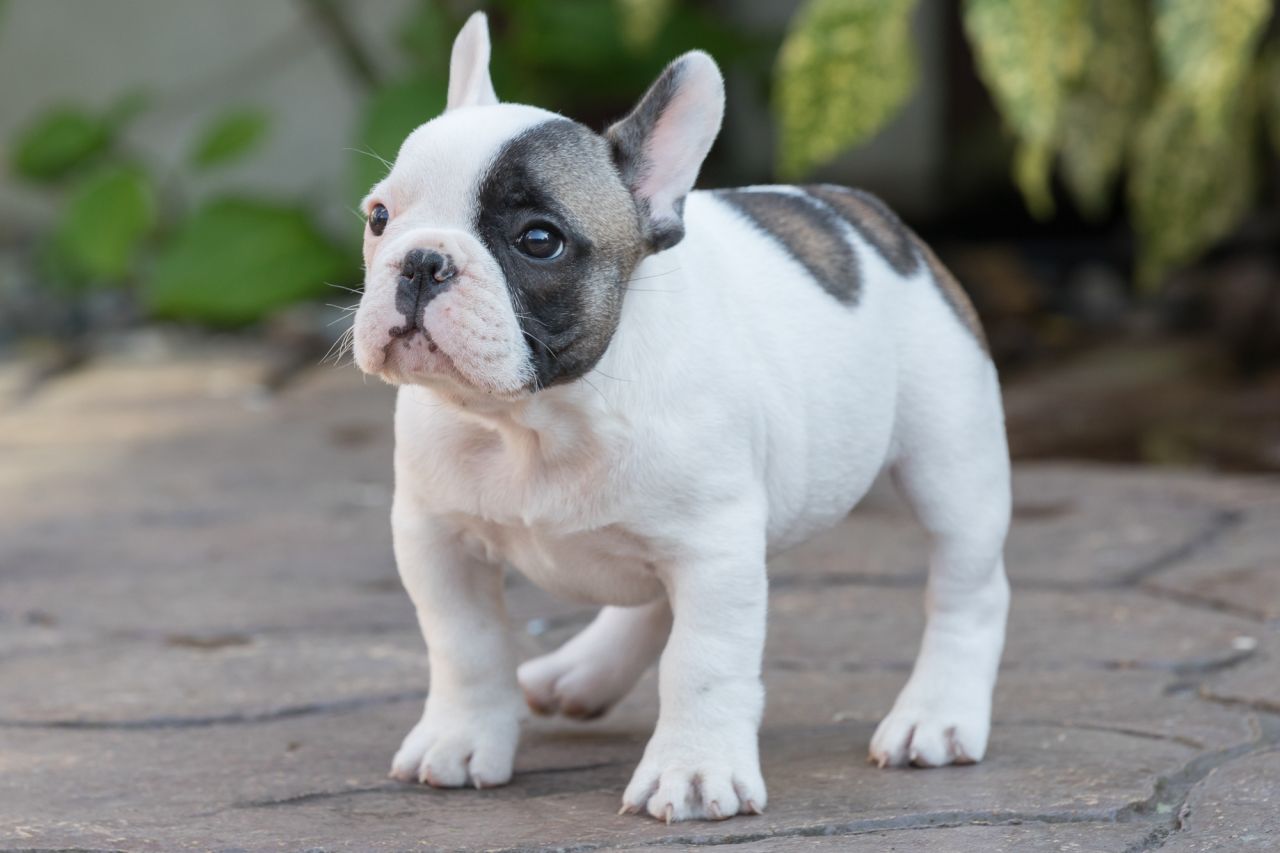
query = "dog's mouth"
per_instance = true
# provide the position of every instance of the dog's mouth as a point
(412, 356)
(405, 339)
(404, 334)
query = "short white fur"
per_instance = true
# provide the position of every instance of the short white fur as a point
(738, 409)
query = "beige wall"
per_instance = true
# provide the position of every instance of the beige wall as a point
(195, 58)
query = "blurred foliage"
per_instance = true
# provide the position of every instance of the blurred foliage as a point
(1168, 97)
(1026, 50)
(1168, 90)
(57, 143)
(642, 20)
(229, 138)
(235, 259)
(830, 42)
(1189, 184)
(1105, 100)
(107, 216)
(227, 263)
(1168, 93)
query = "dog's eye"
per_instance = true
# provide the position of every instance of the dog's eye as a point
(378, 218)
(541, 242)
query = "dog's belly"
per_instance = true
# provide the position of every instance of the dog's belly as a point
(605, 566)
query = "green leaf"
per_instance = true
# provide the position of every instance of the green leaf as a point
(1189, 184)
(1027, 51)
(57, 143)
(1105, 102)
(236, 259)
(229, 137)
(845, 68)
(1206, 50)
(105, 220)
(391, 114)
(642, 20)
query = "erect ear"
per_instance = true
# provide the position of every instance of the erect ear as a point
(660, 146)
(469, 83)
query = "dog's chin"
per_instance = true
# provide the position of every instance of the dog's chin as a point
(414, 358)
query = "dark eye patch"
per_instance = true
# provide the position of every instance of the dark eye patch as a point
(559, 173)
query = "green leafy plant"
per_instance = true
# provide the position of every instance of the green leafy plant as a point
(1165, 93)
(229, 138)
(227, 262)
(57, 143)
(235, 259)
(831, 41)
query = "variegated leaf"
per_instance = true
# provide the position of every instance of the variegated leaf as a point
(1190, 183)
(1026, 52)
(845, 68)
(1206, 49)
(1106, 100)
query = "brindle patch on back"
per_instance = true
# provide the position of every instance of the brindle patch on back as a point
(901, 248)
(874, 222)
(952, 293)
(810, 232)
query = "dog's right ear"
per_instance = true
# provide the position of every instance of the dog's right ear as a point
(660, 146)
(469, 83)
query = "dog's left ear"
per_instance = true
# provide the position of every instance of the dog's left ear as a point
(469, 83)
(660, 146)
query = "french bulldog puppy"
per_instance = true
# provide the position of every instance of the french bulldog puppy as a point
(635, 393)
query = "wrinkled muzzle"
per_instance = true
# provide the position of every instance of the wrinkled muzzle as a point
(436, 309)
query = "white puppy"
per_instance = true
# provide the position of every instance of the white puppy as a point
(634, 393)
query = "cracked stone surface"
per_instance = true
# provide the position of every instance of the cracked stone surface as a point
(1235, 808)
(203, 645)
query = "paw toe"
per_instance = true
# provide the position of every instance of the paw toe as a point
(927, 740)
(677, 794)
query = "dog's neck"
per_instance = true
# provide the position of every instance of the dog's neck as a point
(548, 425)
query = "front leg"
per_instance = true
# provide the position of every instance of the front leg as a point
(703, 759)
(471, 722)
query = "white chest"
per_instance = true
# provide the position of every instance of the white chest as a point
(609, 565)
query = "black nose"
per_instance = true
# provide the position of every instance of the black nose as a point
(423, 274)
(427, 264)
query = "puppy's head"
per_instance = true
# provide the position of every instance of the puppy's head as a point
(498, 248)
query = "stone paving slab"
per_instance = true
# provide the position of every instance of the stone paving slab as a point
(307, 779)
(1240, 571)
(1235, 808)
(1041, 838)
(203, 645)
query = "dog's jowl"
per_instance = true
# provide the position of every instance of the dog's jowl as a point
(634, 393)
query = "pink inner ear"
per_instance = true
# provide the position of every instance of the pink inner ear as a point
(674, 152)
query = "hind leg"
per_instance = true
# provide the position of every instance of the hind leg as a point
(954, 472)
(593, 671)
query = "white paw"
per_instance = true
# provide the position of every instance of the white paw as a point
(574, 684)
(453, 749)
(931, 735)
(697, 778)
